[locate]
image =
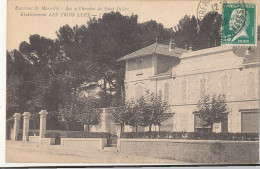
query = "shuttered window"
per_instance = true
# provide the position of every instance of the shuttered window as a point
(138, 92)
(166, 92)
(184, 121)
(183, 91)
(224, 89)
(139, 64)
(202, 88)
(198, 123)
(250, 122)
(251, 85)
(167, 125)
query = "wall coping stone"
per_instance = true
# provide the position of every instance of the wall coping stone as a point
(237, 152)
(102, 141)
(183, 140)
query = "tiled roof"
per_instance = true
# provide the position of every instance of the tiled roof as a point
(254, 55)
(155, 49)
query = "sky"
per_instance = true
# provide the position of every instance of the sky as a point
(19, 28)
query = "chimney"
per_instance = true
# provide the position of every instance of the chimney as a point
(248, 51)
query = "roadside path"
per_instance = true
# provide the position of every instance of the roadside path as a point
(25, 152)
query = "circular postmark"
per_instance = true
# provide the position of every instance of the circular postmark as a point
(216, 16)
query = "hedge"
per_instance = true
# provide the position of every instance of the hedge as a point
(80, 134)
(193, 135)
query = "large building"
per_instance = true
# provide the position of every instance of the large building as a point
(184, 77)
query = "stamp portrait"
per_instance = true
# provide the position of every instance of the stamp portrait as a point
(239, 24)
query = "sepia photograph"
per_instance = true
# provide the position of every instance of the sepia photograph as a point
(132, 82)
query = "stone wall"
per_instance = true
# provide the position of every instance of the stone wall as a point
(84, 144)
(195, 151)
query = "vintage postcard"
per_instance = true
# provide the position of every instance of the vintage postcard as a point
(132, 82)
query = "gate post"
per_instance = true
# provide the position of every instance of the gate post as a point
(43, 114)
(26, 116)
(16, 125)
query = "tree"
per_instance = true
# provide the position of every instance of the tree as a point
(212, 110)
(186, 33)
(19, 89)
(152, 110)
(209, 31)
(82, 111)
(121, 112)
(86, 112)
(146, 111)
(43, 56)
(198, 34)
(151, 30)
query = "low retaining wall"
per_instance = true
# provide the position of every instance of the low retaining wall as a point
(84, 143)
(47, 141)
(196, 151)
(34, 139)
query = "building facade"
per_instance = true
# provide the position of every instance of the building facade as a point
(185, 77)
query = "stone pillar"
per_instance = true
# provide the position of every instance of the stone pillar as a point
(103, 127)
(43, 115)
(26, 120)
(16, 125)
(85, 127)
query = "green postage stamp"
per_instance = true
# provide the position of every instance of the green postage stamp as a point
(239, 24)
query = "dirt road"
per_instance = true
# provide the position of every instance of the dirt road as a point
(24, 152)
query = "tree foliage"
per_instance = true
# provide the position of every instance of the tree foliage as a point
(148, 110)
(122, 111)
(212, 110)
(82, 111)
(152, 110)
(51, 74)
(198, 34)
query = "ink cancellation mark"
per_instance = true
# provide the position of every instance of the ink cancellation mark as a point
(215, 9)
(239, 25)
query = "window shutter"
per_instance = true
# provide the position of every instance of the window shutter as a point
(138, 92)
(184, 121)
(184, 89)
(166, 92)
(224, 85)
(250, 85)
(202, 88)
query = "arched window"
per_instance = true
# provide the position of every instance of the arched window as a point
(138, 92)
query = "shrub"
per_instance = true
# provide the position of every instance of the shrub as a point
(83, 134)
(194, 135)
